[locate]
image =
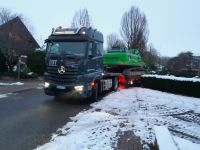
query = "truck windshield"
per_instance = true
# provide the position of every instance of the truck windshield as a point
(67, 48)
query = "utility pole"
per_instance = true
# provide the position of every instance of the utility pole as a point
(18, 69)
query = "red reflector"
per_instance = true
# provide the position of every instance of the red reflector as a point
(122, 79)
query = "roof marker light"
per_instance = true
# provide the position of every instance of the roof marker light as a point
(60, 27)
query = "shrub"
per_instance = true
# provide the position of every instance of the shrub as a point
(188, 88)
(36, 61)
(3, 67)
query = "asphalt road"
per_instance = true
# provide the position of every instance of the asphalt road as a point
(28, 118)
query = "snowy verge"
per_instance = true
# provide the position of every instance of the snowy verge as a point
(137, 110)
(5, 95)
(183, 144)
(164, 138)
(15, 83)
(171, 77)
(88, 130)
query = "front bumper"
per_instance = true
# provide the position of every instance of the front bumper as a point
(67, 90)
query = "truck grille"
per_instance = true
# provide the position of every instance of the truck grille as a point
(69, 77)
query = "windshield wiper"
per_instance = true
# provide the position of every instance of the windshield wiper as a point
(52, 53)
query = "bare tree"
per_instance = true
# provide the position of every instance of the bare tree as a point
(134, 29)
(151, 57)
(182, 62)
(6, 15)
(81, 18)
(164, 60)
(113, 40)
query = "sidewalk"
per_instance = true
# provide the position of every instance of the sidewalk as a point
(128, 141)
(27, 85)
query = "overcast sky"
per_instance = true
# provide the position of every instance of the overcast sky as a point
(174, 25)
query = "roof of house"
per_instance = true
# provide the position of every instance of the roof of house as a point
(14, 35)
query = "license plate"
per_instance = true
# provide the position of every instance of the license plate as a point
(60, 87)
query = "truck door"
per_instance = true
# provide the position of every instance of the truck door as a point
(95, 58)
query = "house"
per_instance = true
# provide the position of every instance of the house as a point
(195, 64)
(14, 36)
(185, 63)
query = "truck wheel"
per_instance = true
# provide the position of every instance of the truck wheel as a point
(94, 96)
(115, 84)
(57, 98)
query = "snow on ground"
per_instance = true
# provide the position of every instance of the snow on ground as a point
(164, 138)
(137, 110)
(40, 86)
(5, 95)
(171, 77)
(183, 144)
(15, 83)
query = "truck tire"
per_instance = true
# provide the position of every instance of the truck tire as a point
(95, 89)
(57, 97)
(115, 84)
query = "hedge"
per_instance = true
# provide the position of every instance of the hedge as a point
(188, 88)
(3, 67)
(36, 62)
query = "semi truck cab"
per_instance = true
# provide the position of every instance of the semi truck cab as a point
(73, 62)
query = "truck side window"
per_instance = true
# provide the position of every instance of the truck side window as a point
(90, 50)
(99, 49)
(94, 49)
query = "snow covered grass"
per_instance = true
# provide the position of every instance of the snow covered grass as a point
(15, 83)
(137, 110)
(164, 139)
(88, 130)
(183, 144)
(40, 86)
(171, 77)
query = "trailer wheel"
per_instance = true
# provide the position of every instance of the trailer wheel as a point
(115, 84)
(94, 96)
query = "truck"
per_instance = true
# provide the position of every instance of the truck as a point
(75, 64)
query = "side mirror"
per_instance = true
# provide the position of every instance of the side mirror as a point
(90, 54)
(94, 46)
(92, 50)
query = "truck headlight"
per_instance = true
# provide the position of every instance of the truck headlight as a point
(79, 88)
(46, 84)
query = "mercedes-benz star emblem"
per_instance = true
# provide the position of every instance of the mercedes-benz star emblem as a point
(61, 70)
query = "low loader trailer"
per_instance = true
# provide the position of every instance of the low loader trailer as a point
(75, 64)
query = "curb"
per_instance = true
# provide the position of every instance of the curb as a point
(19, 89)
